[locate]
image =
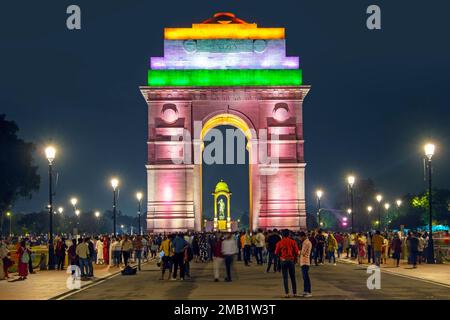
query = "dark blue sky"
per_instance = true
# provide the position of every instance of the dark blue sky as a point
(376, 96)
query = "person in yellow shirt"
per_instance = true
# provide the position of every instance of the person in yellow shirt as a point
(377, 243)
(166, 251)
(332, 246)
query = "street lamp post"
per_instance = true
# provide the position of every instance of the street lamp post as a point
(97, 215)
(386, 206)
(73, 202)
(114, 184)
(379, 197)
(351, 182)
(9, 215)
(319, 194)
(139, 198)
(50, 153)
(77, 213)
(369, 210)
(429, 152)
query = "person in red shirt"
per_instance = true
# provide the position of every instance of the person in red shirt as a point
(287, 250)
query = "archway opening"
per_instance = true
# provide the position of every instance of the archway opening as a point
(225, 156)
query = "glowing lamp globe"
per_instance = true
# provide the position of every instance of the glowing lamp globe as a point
(114, 183)
(429, 150)
(74, 201)
(351, 180)
(319, 193)
(379, 197)
(50, 153)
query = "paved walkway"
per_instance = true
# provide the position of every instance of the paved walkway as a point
(44, 285)
(439, 273)
(345, 281)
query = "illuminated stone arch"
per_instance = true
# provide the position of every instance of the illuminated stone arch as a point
(237, 74)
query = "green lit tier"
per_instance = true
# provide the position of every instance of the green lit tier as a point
(225, 77)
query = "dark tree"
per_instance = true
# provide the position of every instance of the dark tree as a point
(18, 175)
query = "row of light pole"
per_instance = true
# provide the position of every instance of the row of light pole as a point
(429, 150)
(50, 153)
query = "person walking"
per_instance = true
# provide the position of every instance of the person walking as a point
(106, 247)
(361, 243)
(188, 256)
(60, 253)
(204, 248)
(217, 257)
(247, 243)
(82, 252)
(421, 248)
(320, 244)
(99, 248)
(396, 246)
(127, 248)
(305, 262)
(178, 245)
(24, 257)
(331, 248)
(369, 248)
(385, 250)
(339, 240)
(239, 246)
(272, 241)
(312, 239)
(72, 254)
(414, 248)
(287, 250)
(30, 261)
(229, 249)
(259, 246)
(116, 251)
(5, 259)
(377, 243)
(166, 253)
(138, 248)
(91, 257)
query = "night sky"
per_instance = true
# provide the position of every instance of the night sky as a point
(376, 98)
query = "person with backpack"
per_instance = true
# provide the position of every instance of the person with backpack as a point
(24, 258)
(287, 250)
(179, 245)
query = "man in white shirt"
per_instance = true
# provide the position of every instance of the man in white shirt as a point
(304, 264)
(229, 249)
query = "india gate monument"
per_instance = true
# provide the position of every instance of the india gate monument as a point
(224, 71)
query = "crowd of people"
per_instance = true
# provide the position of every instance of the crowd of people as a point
(278, 251)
